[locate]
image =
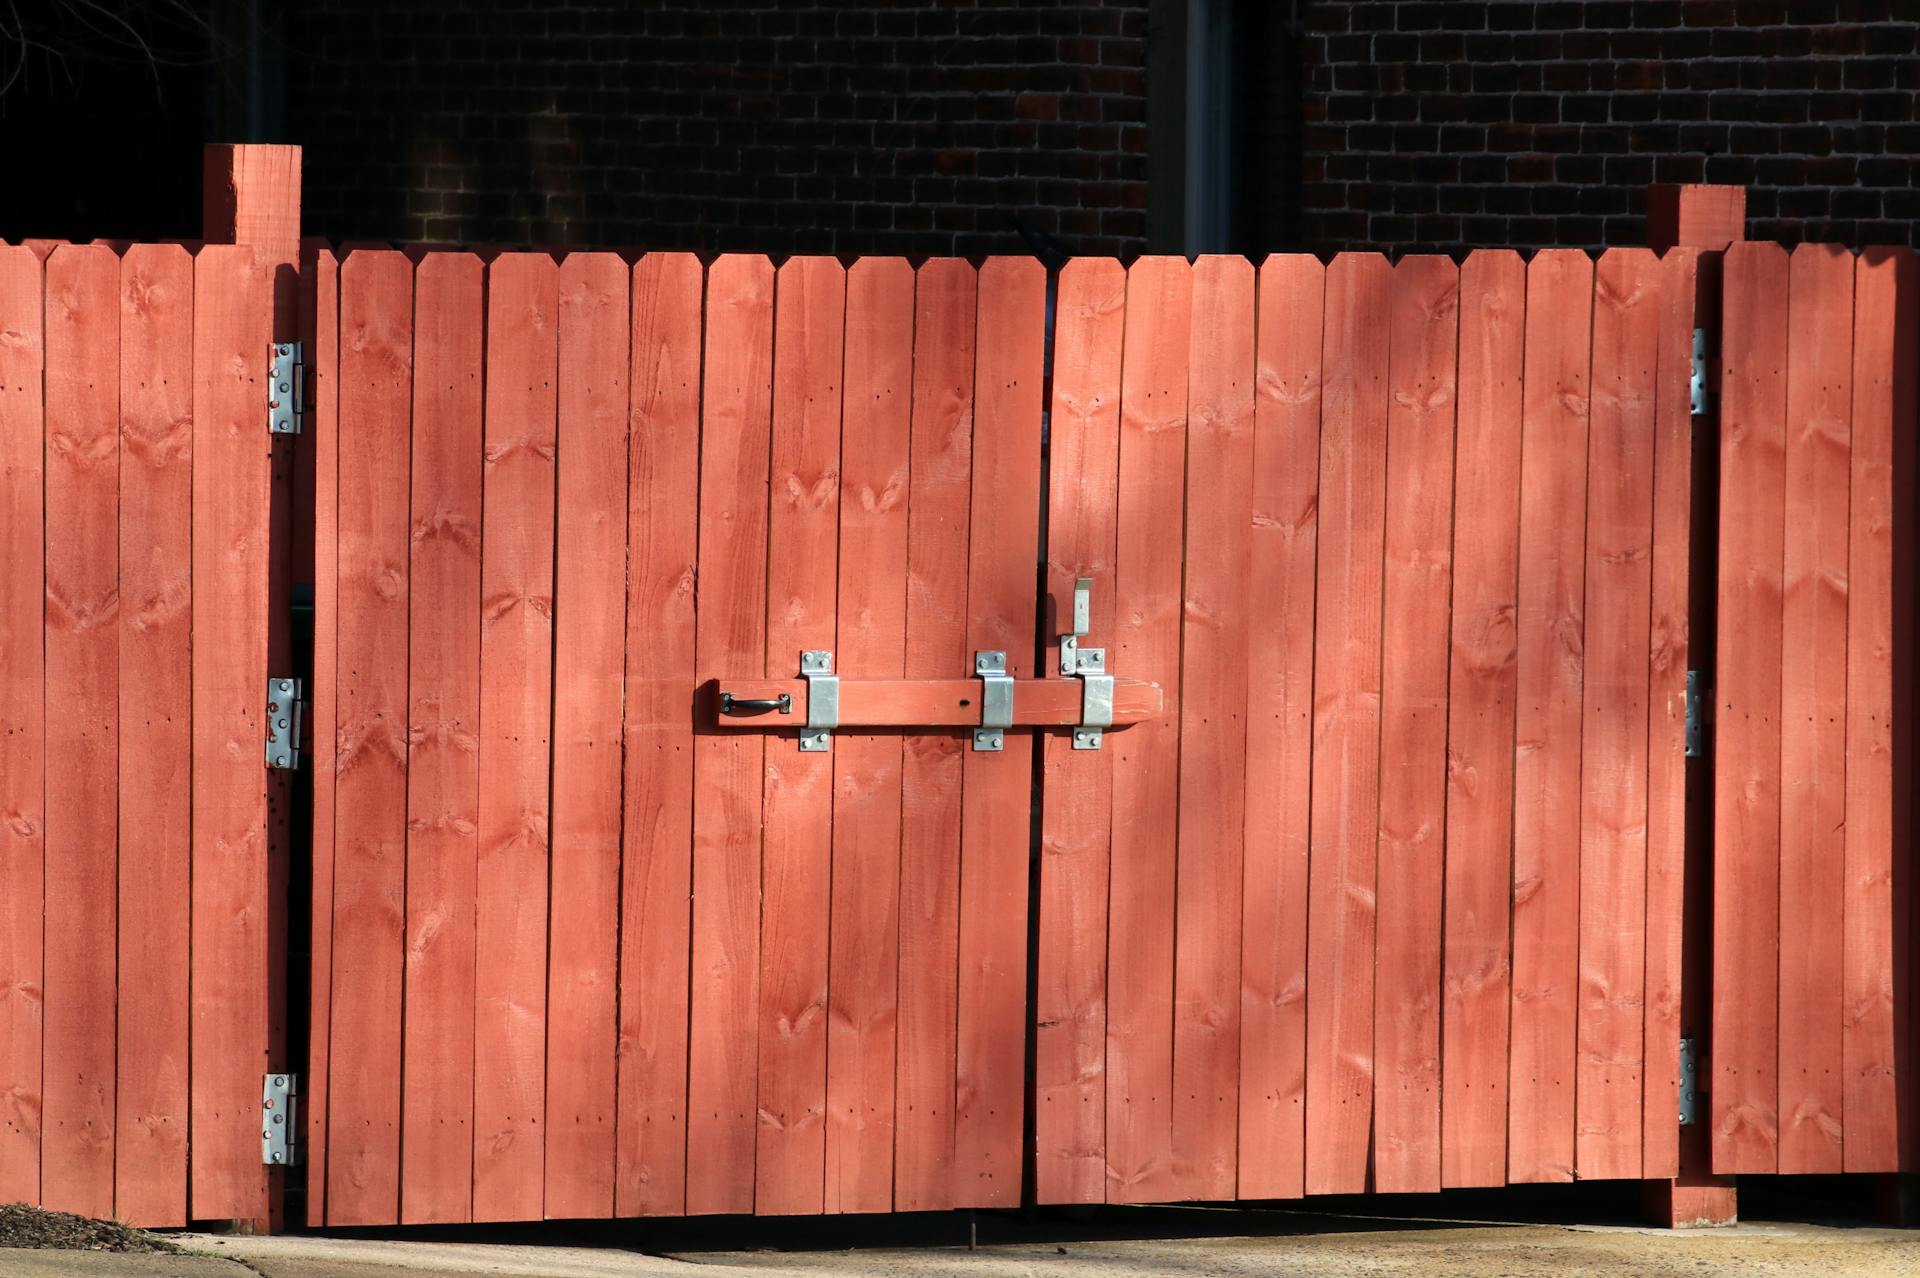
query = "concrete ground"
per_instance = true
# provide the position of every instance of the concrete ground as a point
(1196, 1244)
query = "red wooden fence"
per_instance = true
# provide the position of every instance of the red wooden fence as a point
(136, 1009)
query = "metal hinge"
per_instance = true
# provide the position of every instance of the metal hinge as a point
(1701, 389)
(280, 1144)
(286, 389)
(285, 710)
(1689, 1084)
(1089, 665)
(1696, 719)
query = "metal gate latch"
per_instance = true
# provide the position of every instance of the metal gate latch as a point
(1089, 665)
(996, 700)
(284, 710)
(280, 1120)
(823, 700)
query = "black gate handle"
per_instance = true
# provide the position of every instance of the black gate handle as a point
(730, 704)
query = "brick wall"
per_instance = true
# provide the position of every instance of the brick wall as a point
(1450, 124)
(916, 126)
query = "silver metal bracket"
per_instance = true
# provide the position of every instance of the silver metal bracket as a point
(996, 701)
(280, 1144)
(823, 700)
(1701, 392)
(286, 389)
(285, 711)
(1696, 725)
(1089, 665)
(1689, 1084)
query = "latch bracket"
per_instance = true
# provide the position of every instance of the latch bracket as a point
(280, 1144)
(1089, 665)
(285, 711)
(286, 389)
(996, 701)
(823, 700)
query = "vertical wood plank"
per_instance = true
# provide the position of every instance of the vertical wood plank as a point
(1746, 799)
(871, 644)
(735, 440)
(1879, 831)
(590, 602)
(1070, 1012)
(939, 482)
(1669, 656)
(232, 1003)
(990, 1074)
(443, 744)
(1416, 584)
(23, 599)
(663, 490)
(1146, 765)
(1213, 729)
(1481, 686)
(370, 789)
(516, 667)
(1286, 489)
(1346, 761)
(156, 729)
(83, 726)
(1610, 1024)
(1546, 862)
(1813, 708)
(809, 323)
(323, 381)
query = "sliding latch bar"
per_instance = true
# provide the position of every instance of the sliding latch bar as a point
(996, 701)
(823, 699)
(1089, 665)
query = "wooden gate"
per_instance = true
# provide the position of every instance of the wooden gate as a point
(557, 502)
(140, 889)
(1389, 899)
(1816, 1052)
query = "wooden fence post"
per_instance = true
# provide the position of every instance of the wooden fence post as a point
(1695, 216)
(251, 196)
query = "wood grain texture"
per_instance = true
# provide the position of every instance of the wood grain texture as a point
(863, 976)
(590, 617)
(990, 1073)
(1070, 999)
(370, 788)
(23, 721)
(1346, 761)
(939, 484)
(1746, 800)
(1879, 828)
(1613, 776)
(443, 739)
(1550, 636)
(232, 1003)
(1279, 763)
(1670, 654)
(516, 709)
(1417, 580)
(1481, 688)
(83, 726)
(731, 605)
(809, 345)
(1146, 766)
(1813, 708)
(156, 730)
(656, 876)
(1213, 729)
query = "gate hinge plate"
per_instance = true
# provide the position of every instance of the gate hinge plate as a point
(280, 1144)
(285, 711)
(1701, 387)
(1689, 1084)
(286, 389)
(1696, 734)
